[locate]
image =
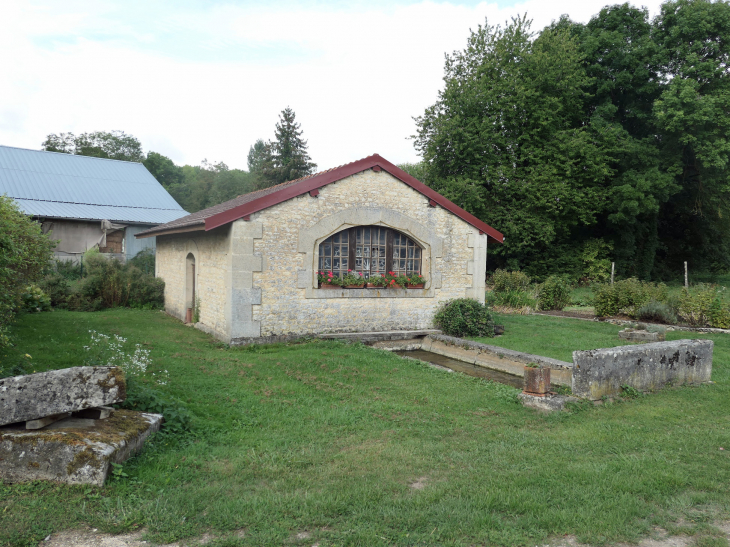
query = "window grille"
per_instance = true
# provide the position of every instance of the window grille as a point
(370, 250)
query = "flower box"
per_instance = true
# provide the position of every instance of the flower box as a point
(415, 286)
(327, 286)
(354, 286)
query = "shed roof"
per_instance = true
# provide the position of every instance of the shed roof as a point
(55, 185)
(247, 204)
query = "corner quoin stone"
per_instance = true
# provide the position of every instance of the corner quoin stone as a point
(33, 396)
(603, 372)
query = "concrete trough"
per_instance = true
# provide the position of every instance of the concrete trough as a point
(603, 372)
(74, 450)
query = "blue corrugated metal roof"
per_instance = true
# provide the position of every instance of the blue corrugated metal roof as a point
(50, 184)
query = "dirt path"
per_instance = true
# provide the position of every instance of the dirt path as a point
(91, 538)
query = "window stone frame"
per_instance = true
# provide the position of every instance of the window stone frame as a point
(310, 239)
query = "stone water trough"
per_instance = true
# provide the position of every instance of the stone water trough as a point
(592, 375)
(57, 425)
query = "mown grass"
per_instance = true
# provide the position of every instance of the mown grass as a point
(327, 438)
(558, 337)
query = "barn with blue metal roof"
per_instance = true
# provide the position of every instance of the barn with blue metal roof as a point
(85, 202)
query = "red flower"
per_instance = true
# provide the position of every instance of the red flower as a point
(349, 270)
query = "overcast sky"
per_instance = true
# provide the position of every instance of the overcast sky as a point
(201, 80)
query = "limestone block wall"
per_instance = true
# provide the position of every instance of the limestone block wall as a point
(257, 278)
(290, 303)
(211, 252)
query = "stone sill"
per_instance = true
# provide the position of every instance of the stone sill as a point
(369, 293)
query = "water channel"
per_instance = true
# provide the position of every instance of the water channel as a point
(466, 368)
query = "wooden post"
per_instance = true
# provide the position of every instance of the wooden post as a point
(613, 268)
(686, 279)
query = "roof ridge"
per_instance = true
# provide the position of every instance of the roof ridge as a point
(67, 154)
(96, 204)
(245, 205)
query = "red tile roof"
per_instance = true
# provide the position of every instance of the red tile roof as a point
(247, 204)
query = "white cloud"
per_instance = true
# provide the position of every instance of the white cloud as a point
(207, 83)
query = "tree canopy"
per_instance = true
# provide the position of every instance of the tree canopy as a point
(115, 145)
(608, 138)
(197, 187)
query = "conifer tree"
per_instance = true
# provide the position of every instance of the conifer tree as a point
(291, 159)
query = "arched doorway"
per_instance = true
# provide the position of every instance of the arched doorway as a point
(189, 287)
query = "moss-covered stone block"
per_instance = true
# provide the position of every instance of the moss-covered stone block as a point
(74, 450)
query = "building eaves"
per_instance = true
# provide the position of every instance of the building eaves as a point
(247, 204)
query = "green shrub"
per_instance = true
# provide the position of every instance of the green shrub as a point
(553, 293)
(142, 378)
(512, 299)
(626, 296)
(505, 281)
(35, 300)
(659, 312)
(56, 286)
(703, 305)
(110, 284)
(68, 269)
(145, 261)
(25, 253)
(145, 398)
(465, 317)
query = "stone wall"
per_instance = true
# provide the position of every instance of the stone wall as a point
(291, 232)
(257, 278)
(211, 252)
(646, 367)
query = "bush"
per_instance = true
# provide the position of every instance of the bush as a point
(659, 312)
(626, 296)
(25, 253)
(68, 269)
(512, 299)
(465, 317)
(505, 281)
(554, 293)
(142, 378)
(56, 286)
(35, 300)
(145, 261)
(703, 305)
(110, 284)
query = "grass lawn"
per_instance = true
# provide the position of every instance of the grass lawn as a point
(558, 338)
(330, 438)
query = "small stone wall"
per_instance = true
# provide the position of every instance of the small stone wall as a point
(603, 372)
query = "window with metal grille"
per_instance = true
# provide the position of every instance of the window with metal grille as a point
(370, 250)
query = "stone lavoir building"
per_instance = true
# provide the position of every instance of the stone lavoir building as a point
(251, 263)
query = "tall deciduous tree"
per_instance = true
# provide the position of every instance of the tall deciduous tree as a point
(163, 169)
(261, 163)
(115, 145)
(693, 117)
(508, 139)
(610, 135)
